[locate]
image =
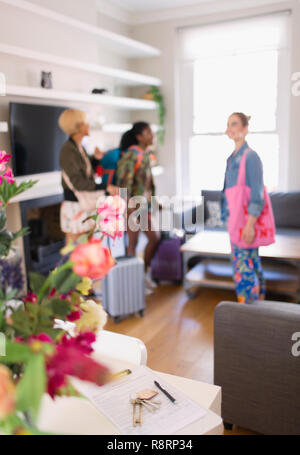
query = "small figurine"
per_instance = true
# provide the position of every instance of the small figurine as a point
(46, 81)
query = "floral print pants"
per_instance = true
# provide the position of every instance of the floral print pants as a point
(248, 274)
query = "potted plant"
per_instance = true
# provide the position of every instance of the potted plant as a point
(49, 332)
(154, 94)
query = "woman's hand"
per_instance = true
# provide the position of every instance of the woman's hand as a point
(248, 234)
(113, 190)
(98, 154)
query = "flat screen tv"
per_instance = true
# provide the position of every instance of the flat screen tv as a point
(36, 138)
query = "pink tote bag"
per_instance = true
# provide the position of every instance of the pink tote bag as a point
(238, 198)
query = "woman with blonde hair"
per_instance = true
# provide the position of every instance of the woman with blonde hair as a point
(77, 170)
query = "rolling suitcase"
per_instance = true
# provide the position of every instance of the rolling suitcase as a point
(123, 289)
(167, 262)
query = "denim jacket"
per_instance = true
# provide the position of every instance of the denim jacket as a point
(254, 179)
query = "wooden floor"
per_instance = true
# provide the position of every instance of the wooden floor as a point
(178, 332)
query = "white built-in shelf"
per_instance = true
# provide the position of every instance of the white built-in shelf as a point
(49, 184)
(123, 127)
(124, 77)
(122, 45)
(77, 97)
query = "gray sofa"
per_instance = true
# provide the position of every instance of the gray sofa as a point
(255, 366)
(286, 208)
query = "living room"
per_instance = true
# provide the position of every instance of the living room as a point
(191, 80)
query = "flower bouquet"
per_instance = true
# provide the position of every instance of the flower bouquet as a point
(47, 335)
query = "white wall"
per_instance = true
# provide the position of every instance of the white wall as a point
(163, 35)
(24, 29)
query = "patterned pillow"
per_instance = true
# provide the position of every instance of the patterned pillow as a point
(214, 214)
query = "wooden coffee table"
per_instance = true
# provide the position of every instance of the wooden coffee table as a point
(216, 271)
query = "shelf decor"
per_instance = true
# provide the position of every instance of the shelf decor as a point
(78, 97)
(123, 77)
(155, 95)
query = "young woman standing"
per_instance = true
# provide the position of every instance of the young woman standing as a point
(134, 174)
(247, 208)
(79, 168)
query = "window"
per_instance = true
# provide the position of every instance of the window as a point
(236, 66)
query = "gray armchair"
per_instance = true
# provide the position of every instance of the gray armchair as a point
(255, 366)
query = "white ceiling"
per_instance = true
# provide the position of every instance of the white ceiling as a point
(154, 5)
(145, 11)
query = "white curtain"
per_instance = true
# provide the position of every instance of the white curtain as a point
(268, 32)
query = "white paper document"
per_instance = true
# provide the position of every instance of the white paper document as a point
(113, 400)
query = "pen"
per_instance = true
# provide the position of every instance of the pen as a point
(165, 392)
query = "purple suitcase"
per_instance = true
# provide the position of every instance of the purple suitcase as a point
(167, 262)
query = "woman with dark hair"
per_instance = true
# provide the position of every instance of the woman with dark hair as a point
(247, 208)
(134, 174)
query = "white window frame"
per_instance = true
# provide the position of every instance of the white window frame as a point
(184, 123)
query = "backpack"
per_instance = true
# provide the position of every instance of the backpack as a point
(108, 167)
(109, 163)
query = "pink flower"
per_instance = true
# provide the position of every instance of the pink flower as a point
(111, 206)
(111, 220)
(52, 292)
(19, 340)
(83, 342)
(92, 260)
(113, 227)
(74, 316)
(71, 359)
(42, 337)
(9, 177)
(30, 297)
(4, 157)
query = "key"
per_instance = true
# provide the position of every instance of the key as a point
(146, 405)
(139, 420)
(134, 411)
(136, 420)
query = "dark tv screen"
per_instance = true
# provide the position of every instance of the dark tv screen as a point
(36, 138)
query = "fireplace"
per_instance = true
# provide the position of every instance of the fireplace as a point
(42, 246)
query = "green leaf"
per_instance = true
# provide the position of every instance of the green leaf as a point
(60, 307)
(21, 233)
(22, 323)
(2, 219)
(70, 283)
(10, 190)
(15, 425)
(32, 309)
(59, 278)
(36, 281)
(32, 386)
(1, 318)
(53, 333)
(11, 295)
(6, 239)
(16, 353)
